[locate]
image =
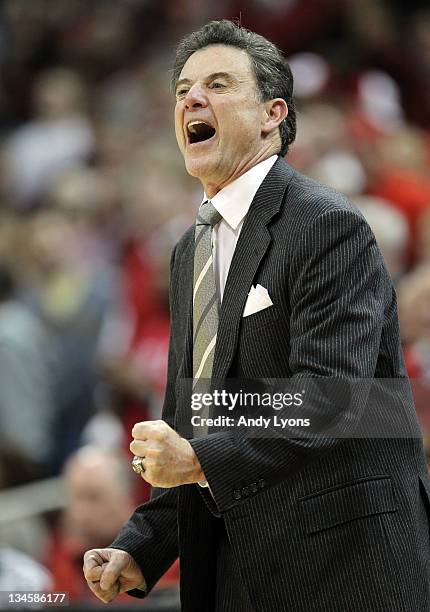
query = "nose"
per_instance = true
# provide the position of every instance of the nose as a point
(195, 98)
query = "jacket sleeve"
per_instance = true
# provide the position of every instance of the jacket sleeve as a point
(339, 289)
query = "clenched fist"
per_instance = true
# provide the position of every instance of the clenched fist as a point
(109, 571)
(169, 460)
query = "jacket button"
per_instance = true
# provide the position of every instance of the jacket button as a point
(261, 483)
(245, 491)
(254, 487)
(237, 494)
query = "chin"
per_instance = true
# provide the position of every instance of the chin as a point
(196, 167)
(201, 167)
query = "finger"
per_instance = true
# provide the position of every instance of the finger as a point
(95, 574)
(149, 474)
(92, 557)
(105, 596)
(150, 430)
(112, 571)
(149, 448)
(141, 429)
(139, 448)
(91, 560)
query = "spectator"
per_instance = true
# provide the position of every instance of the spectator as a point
(19, 572)
(58, 135)
(71, 298)
(26, 400)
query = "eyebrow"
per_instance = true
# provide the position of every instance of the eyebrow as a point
(210, 77)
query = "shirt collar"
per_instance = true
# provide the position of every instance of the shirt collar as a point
(234, 200)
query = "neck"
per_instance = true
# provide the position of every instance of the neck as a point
(212, 187)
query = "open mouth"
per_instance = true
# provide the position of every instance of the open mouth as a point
(199, 131)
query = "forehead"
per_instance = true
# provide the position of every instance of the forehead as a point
(217, 58)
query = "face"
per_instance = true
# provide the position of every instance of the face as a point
(219, 117)
(97, 506)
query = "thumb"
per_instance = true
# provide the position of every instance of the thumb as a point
(111, 572)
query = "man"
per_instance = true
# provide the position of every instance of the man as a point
(27, 408)
(283, 524)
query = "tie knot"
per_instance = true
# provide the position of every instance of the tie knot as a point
(208, 215)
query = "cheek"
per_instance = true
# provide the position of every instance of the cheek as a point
(239, 122)
(239, 136)
(178, 128)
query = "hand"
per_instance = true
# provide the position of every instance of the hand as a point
(109, 571)
(169, 459)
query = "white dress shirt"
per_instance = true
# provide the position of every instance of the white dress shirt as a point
(233, 202)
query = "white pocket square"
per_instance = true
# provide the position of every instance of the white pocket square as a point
(258, 299)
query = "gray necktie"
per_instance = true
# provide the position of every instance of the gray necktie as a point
(205, 301)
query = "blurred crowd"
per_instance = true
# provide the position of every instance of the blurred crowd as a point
(93, 196)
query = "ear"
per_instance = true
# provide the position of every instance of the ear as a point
(274, 112)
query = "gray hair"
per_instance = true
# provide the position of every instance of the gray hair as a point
(271, 70)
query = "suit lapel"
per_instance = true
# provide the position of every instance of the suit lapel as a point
(186, 298)
(251, 247)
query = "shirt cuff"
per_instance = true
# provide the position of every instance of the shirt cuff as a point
(205, 485)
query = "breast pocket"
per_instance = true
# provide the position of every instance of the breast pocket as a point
(259, 319)
(347, 502)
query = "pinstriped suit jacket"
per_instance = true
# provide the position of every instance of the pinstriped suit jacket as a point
(343, 528)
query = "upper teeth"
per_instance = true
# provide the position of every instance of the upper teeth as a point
(192, 124)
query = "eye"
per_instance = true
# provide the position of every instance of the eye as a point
(216, 85)
(181, 93)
